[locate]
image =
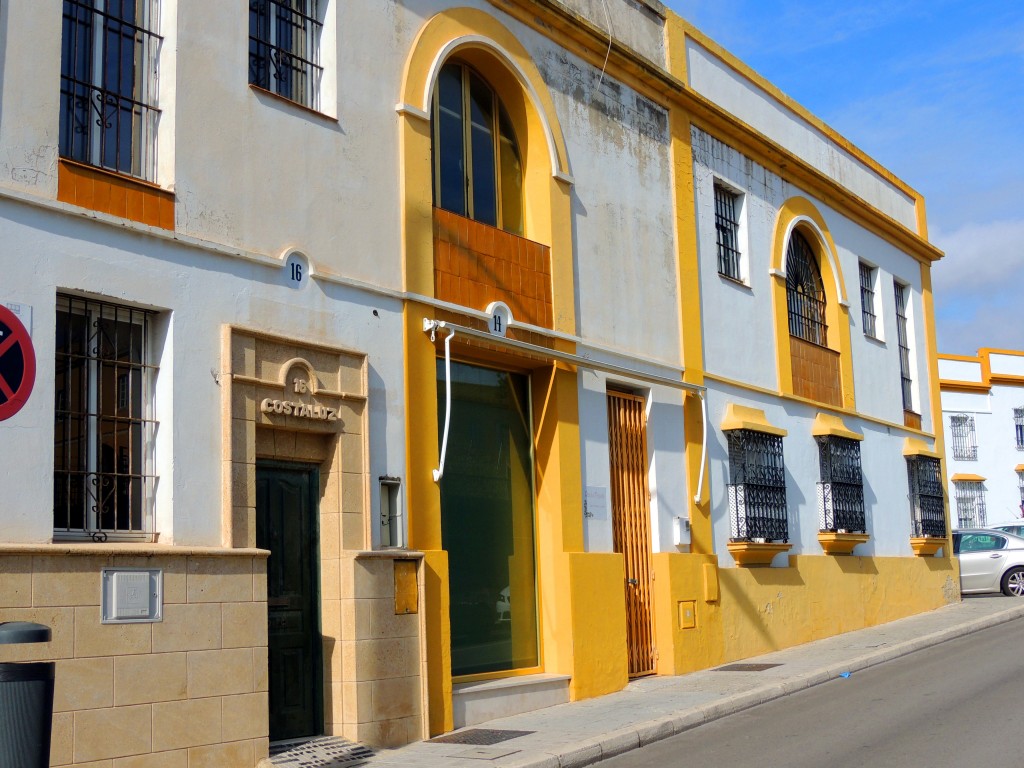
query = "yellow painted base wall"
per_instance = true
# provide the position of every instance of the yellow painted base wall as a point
(759, 610)
(598, 624)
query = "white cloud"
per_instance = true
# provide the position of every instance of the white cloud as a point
(977, 285)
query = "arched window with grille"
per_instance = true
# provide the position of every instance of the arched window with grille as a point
(478, 170)
(805, 292)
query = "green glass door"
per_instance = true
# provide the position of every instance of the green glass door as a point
(286, 513)
(487, 523)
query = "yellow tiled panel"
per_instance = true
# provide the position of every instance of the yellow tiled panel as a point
(395, 698)
(238, 754)
(95, 639)
(83, 684)
(15, 581)
(177, 758)
(61, 737)
(66, 581)
(150, 678)
(220, 673)
(219, 579)
(245, 716)
(182, 724)
(190, 627)
(244, 625)
(116, 732)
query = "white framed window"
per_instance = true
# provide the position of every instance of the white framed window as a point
(903, 337)
(869, 315)
(962, 438)
(970, 504)
(104, 428)
(284, 48)
(108, 104)
(728, 232)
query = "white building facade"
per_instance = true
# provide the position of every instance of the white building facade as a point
(983, 418)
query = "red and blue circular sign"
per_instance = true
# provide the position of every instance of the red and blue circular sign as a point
(17, 364)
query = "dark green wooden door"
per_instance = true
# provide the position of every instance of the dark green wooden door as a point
(286, 514)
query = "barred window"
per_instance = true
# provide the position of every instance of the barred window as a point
(867, 300)
(108, 84)
(757, 487)
(841, 490)
(970, 504)
(805, 293)
(1018, 427)
(1020, 487)
(962, 439)
(927, 511)
(284, 49)
(103, 431)
(903, 338)
(727, 227)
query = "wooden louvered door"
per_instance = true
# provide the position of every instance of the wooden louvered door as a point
(631, 523)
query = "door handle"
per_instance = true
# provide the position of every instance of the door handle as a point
(994, 556)
(633, 582)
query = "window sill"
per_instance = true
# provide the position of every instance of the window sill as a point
(926, 546)
(752, 553)
(127, 549)
(259, 91)
(736, 281)
(841, 543)
(98, 189)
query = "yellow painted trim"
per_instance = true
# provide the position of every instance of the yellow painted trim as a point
(934, 389)
(804, 401)
(927, 546)
(481, 676)
(750, 553)
(949, 385)
(841, 543)
(799, 213)
(967, 477)
(959, 358)
(996, 351)
(915, 447)
(745, 417)
(798, 109)
(827, 424)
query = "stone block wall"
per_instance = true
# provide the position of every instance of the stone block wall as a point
(189, 691)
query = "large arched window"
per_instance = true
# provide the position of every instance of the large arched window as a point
(805, 293)
(477, 165)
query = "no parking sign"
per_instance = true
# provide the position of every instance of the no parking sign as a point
(17, 364)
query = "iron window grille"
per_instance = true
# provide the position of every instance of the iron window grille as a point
(867, 301)
(757, 487)
(1020, 487)
(970, 504)
(841, 490)
(962, 438)
(906, 381)
(805, 292)
(1018, 427)
(108, 91)
(103, 430)
(284, 49)
(727, 232)
(927, 501)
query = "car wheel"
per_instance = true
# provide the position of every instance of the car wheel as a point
(1013, 582)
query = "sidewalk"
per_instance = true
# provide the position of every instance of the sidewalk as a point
(653, 708)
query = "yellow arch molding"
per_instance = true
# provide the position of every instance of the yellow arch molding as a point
(799, 213)
(482, 42)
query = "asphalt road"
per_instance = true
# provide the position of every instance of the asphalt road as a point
(955, 705)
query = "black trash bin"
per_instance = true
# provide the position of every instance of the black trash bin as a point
(26, 701)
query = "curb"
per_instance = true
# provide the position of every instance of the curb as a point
(591, 751)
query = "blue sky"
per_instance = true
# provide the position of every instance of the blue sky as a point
(932, 89)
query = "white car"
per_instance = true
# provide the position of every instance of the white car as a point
(990, 561)
(1016, 527)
